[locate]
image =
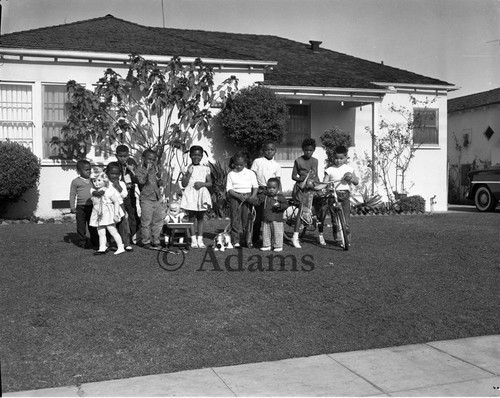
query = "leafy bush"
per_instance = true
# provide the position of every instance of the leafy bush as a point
(333, 138)
(415, 204)
(19, 171)
(253, 116)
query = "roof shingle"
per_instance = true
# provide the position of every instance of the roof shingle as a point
(474, 100)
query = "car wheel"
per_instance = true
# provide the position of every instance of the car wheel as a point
(484, 199)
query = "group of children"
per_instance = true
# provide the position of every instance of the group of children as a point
(262, 190)
(105, 200)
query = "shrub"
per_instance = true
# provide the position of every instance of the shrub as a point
(414, 203)
(253, 116)
(19, 171)
(333, 138)
(369, 204)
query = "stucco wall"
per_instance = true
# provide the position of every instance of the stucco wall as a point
(54, 184)
(474, 123)
(427, 176)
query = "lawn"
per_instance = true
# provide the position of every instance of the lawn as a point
(69, 317)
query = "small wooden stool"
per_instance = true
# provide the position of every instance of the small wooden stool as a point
(175, 231)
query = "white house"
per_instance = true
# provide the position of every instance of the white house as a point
(473, 136)
(323, 89)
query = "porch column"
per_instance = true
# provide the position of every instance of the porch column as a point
(374, 134)
(37, 103)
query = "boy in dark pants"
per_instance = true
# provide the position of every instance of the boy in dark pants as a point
(81, 205)
(149, 178)
(128, 167)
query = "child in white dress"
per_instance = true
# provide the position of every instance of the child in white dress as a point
(106, 211)
(196, 199)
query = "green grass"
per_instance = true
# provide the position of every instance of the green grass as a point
(68, 316)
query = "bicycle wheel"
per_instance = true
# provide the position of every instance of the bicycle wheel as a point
(289, 221)
(343, 230)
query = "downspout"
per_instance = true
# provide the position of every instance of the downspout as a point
(373, 148)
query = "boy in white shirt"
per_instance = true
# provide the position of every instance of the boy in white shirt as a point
(342, 175)
(265, 168)
(241, 185)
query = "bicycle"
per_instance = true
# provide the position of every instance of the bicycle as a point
(326, 191)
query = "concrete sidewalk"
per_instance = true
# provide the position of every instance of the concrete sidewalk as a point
(465, 367)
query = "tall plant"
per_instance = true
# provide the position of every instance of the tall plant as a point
(153, 107)
(395, 146)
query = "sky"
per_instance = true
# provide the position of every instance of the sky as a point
(457, 41)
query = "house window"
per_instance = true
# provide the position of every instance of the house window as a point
(54, 116)
(16, 113)
(425, 126)
(298, 129)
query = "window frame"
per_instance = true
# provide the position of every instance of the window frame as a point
(98, 153)
(28, 122)
(59, 123)
(293, 151)
(435, 126)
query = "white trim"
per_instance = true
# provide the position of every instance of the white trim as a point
(58, 162)
(485, 182)
(121, 57)
(328, 93)
(418, 86)
(428, 146)
(38, 119)
(18, 82)
(330, 90)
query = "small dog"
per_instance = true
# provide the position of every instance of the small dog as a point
(222, 241)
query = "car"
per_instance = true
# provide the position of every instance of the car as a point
(484, 188)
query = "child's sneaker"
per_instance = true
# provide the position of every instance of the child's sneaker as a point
(194, 242)
(201, 245)
(296, 243)
(278, 249)
(321, 240)
(265, 249)
(237, 245)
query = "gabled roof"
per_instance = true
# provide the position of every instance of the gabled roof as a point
(298, 65)
(474, 100)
